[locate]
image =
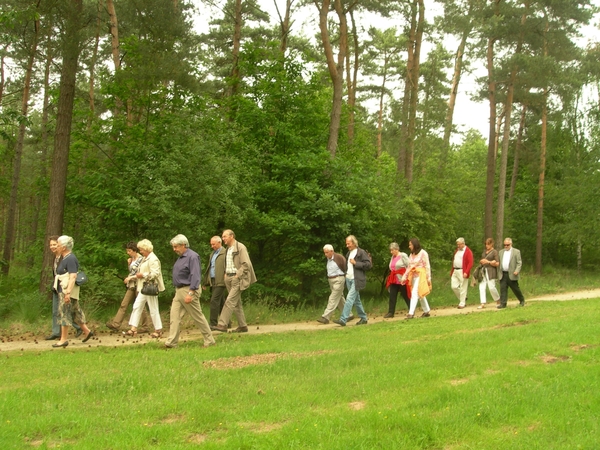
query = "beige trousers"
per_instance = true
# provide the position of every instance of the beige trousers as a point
(233, 304)
(178, 310)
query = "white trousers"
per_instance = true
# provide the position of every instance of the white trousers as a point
(138, 307)
(491, 284)
(415, 296)
(459, 285)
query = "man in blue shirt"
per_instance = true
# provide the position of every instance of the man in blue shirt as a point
(186, 279)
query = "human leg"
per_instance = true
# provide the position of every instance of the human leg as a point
(414, 297)
(217, 301)
(503, 290)
(350, 299)
(335, 298)
(233, 304)
(493, 291)
(176, 315)
(152, 301)
(136, 312)
(394, 289)
(55, 315)
(116, 321)
(514, 286)
(194, 309)
(456, 284)
(404, 293)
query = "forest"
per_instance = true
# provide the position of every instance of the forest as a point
(122, 120)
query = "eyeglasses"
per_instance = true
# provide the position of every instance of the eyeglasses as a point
(507, 245)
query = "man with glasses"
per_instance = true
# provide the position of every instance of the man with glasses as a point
(510, 266)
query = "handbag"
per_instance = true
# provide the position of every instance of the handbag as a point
(150, 288)
(81, 278)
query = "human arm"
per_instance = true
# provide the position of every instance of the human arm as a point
(519, 262)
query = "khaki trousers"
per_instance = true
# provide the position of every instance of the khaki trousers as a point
(233, 304)
(336, 298)
(127, 300)
(178, 310)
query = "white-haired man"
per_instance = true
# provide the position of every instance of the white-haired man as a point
(186, 279)
(462, 263)
(510, 267)
(336, 275)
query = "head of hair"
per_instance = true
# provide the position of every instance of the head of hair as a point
(53, 237)
(180, 239)
(328, 248)
(394, 246)
(353, 240)
(460, 240)
(132, 246)
(416, 246)
(217, 238)
(145, 245)
(508, 239)
(489, 241)
(229, 233)
(66, 242)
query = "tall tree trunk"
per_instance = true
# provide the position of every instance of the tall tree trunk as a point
(115, 49)
(352, 79)
(506, 137)
(458, 65)
(237, 43)
(414, 87)
(491, 156)
(284, 23)
(93, 65)
(380, 114)
(541, 182)
(2, 73)
(9, 237)
(519, 143)
(336, 70)
(62, 135)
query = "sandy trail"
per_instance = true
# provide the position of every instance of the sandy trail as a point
(18, 342)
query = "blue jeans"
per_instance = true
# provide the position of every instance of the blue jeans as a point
(352, 299)
(55, 324)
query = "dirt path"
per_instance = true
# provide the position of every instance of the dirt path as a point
(18, 342)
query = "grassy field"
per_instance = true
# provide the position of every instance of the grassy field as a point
(522, 378)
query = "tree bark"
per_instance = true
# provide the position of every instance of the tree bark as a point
(93, 65)
(9, 237)
(519, 143)
(237, 43)
(458, 65)
(414, 88)
(336, 70)
(491, 156)
(352, 79)
(62, 135)
(506, 136)
(284, 23)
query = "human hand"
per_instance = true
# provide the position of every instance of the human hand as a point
(188, 299)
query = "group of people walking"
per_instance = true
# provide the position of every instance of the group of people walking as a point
(229, 272)
(410, 277)
(229, 269)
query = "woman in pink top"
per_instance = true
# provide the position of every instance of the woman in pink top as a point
(394, 284)
(419, 276)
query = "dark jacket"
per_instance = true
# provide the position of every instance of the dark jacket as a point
(363, 263)
(219, 269)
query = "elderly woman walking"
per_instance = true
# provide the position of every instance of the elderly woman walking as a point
(398, 265)
(148, 272)
(69, 309)
(419, 276)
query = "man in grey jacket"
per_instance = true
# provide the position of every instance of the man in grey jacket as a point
(510, 267)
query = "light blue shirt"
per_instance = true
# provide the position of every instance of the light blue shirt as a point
(333, 269)
(212, 261)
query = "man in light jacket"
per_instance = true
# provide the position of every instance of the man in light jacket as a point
(239, 275)
(510, 267)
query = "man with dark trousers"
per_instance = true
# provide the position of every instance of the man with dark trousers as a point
(214, 277)
(510, 267)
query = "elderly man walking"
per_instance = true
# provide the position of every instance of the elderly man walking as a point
(186, 279)
(336, 275)
(462, 263)
(359, 262)
(239, 275)
(215, 278)
(510, 267)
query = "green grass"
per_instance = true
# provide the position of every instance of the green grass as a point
(522, 378)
